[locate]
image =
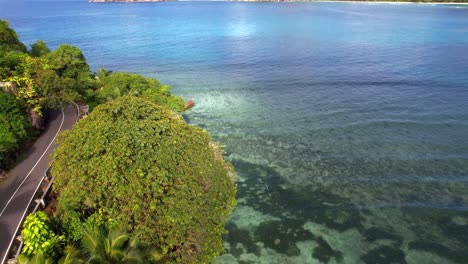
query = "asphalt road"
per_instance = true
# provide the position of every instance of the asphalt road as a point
(18, 190)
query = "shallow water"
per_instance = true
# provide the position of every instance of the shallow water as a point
(347, 122)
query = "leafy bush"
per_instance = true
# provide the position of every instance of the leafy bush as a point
(142, 166)
(72, 226)
(38, 237)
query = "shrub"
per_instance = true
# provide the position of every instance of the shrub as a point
(38, 237)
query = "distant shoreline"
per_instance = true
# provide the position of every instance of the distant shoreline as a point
(130, 1)
(379, 2)
(287, 1)
(342, 1)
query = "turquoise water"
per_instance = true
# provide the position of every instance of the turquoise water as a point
(347, 122)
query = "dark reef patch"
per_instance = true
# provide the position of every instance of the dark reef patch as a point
(283, 235)
(456, 231)
(459, 256)
(324, 252)
(384, 255)
(340, 219)
(259, 182)
(375, 233)
(264, 189)
(308, 197)
(235, 236)
(321, 206)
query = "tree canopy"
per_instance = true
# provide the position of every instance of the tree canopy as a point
(41, 79)
(39, 48)
(14, 126)
(118, 84)
(144, 167)
(9, 39)
(133, 163)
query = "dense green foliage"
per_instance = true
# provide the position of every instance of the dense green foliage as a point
(9, 39)
(8, 62)
(38, 258)
(41, 79)
(39, 237)
(69, 62)
(97, 244)
(132, 164)
(39, 49)
(119, 84)
(67, 77)
(74, 225)
(146, 169)
(14, 126)
(44, 79)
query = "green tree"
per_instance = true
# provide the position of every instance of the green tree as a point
(9, 39)
(55, 91)
(39, 48)
(49, 81)
(14, 126)
(10, 50)
(69, 63)
(8, 63)
(120, 84)
(26, 89)
(159, 178)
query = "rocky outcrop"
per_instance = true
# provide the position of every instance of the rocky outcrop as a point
(36, 119)
(9, 87)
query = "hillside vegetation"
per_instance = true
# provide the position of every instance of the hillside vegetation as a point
(35, 80)
(134, 182)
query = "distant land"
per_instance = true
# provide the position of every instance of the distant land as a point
(129, 1)
(387, 1)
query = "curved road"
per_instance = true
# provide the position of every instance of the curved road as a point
(18, 190)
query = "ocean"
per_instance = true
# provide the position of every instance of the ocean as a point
(346, 122)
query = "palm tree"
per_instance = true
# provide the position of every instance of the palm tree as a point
(38, 258)
(103, 73)
(114, 247)
(72, 256)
